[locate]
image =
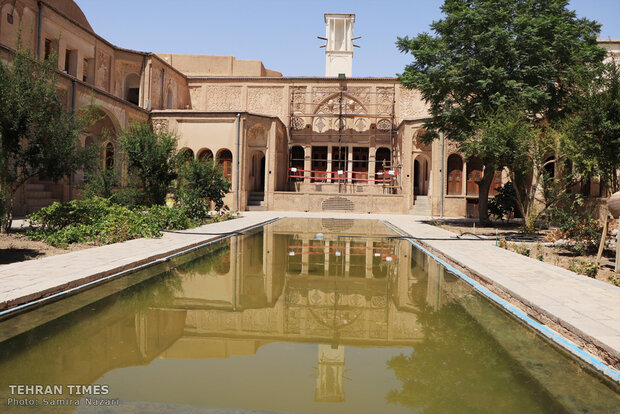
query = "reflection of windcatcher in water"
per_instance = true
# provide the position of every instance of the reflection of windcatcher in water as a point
(330, 374)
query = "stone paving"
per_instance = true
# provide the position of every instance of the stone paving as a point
(585, 310)
(30, 280)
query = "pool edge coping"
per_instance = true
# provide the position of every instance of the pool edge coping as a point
(39, 298)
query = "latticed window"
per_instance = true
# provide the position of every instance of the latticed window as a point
(382, 164)
(109, 155)
(455, 174)
(225, 161)
(296, 161)
(319, 162)
(360, 165)
(474, 175)
(339, 163)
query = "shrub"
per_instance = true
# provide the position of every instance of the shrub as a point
(200, 183)
(584, 267)
(101, 221)
(100, 183)
(60, 215)
(576, 223)
(521, 249)
(504, 204)
(152, 160)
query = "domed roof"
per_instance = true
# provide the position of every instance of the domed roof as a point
(71, 10)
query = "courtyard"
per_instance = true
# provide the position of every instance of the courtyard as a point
(188, 229)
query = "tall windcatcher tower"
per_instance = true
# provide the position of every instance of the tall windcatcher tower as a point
(339, 47)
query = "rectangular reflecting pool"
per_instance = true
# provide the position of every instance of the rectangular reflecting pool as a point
(299, 316)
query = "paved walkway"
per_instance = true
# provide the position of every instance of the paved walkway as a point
(33, 279)
(585, 310)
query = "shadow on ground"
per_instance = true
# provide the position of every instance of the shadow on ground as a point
(18, 255)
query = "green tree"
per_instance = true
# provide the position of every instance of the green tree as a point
(500, 139)
(38, 136)
(593, 134)
(152, 160)
(487, 54)
(200, 183)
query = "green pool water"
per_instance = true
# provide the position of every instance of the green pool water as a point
(300, 316)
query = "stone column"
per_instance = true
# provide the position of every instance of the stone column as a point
(369, 256)
(349, 164)
(307, 161)
(305, 257)
(270, 164)
(372, 163)
(347, 258)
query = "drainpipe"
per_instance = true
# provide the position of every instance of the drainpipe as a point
(443, 149)
(73, 90)
(39, 29)
(163, 83)
(238, 163)
(141, 98)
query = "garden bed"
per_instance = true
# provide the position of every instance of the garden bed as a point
(542, 246)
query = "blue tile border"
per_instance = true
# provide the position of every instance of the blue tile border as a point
(540, 328)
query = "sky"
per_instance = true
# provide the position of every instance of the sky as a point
(283, 33)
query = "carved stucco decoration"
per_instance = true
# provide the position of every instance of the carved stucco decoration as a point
(156, 85)
(257, 136)
(385, 101)
(360, 93)
(320, 93)
(293, 297)
(316, 297)
(320, 125)
(103, 70)
(418, 143)
(265, 100)
(332, 105)
(171, 84)
(338, 123)
(160, 125)
(452, 147)
(298, 123)
(195, 94)
(298, 98)
(384, 125)
(411, 104)
(361, 124)
(223, 98)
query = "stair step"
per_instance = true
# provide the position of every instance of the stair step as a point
(35, 187)
(257, 208)
(37, 195)
(40, 202)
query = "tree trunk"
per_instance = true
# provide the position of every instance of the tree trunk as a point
(483, 195)
(7, 213)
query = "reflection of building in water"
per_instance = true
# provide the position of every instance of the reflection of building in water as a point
(247, 294)
(346, 289)
(250, 292)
